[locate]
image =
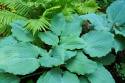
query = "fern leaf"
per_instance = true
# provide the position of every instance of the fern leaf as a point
(37, 24)
(7, 17)
(87, 7)
(20, 7)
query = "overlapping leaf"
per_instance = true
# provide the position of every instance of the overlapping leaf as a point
(49, 38)
(106, 60)
(73, 27)
(119, 43)
(80, 64)
(20, 33)
(100, 75)
(19, 58)
(69, 54)
(83, 80)
(58, 23)
(116, 12)
(72, 42)
(7, 40)
(9, 78)
(57, 58)
(56, 75)
(99, 43)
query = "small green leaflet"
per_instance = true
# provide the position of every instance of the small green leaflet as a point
(100, 75)
(49, 38)
(58, 23)
(20, 33)
(9, 78)
(73, 27)
(116, 12)
(7, 40)
(99, 43)
(80, 64)
(57, 58)
(19, 58)
(56, 75)
(119, 43)
(72, 42)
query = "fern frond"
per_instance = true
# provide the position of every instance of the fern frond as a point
(5, 30)
(7, 17)
(37, 24)
(42, 23)
(20, 7)
(87, 7)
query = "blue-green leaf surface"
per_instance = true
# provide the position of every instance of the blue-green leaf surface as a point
(119, 43)
(106, 60)
(58, 23)
(73, 27)
(69, 54)
(49, 38)
(116, 12)
(56, 75)
(57, 58)
(83, 80)
(72, 42)
(69, 77)
(7, 40)
(43, 52)
(20, 33)
(9, 78)
(19, 58)
(99, 43)
(80, 64)
(100, 75)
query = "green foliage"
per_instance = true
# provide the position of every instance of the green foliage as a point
(38, 13)
(69, 55)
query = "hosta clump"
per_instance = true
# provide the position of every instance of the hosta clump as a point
(72, 58)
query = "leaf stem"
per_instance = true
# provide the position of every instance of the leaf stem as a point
(31, 75)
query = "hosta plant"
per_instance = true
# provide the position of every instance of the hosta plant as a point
(63, 54)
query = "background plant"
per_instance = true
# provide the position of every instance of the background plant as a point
(38, 13)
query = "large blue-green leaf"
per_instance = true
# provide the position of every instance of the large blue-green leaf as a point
(119, 43)
(69, 54)
(49, 38)
(106, 60)
(58, 23)
(7, 40)
(116, 12)
(9, 78)
(72, 42)
(99, 43)
(100, 75)
(19, 58)
(53, 76)
(57, 58)
(73, 27)
(80, 64)
(69, 77)
(20, 33)
(83, 80)
(56, 75)
(120, 30)
(99, 21)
